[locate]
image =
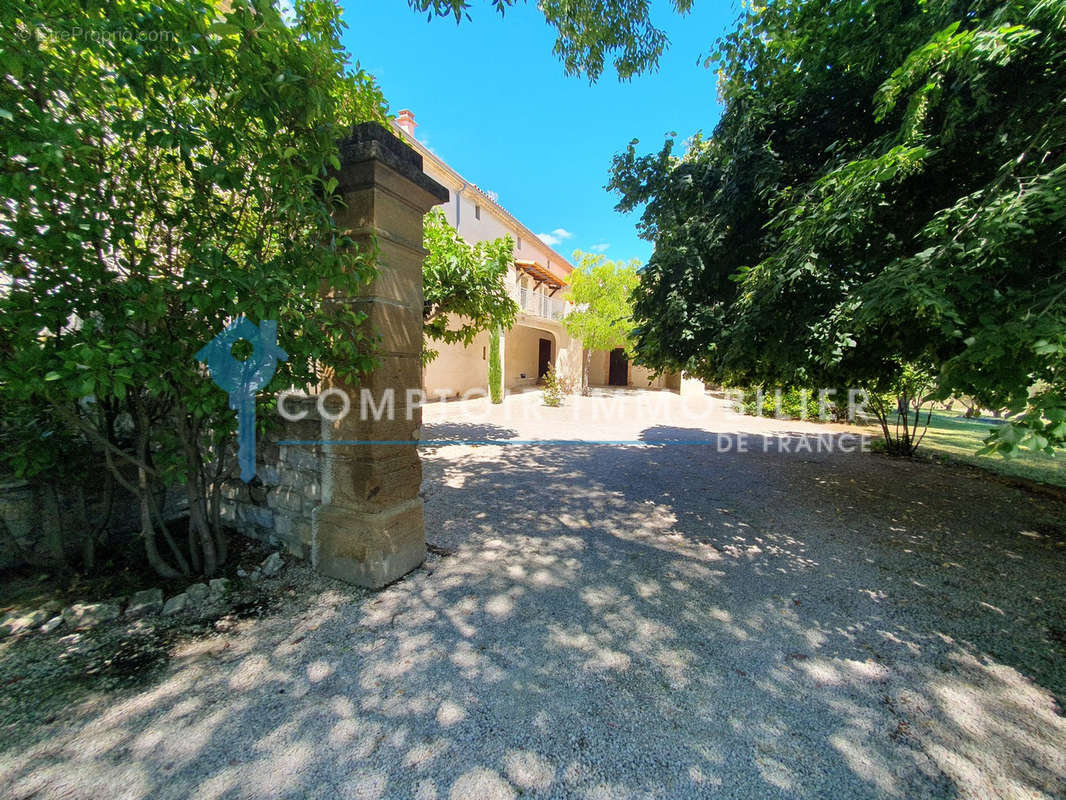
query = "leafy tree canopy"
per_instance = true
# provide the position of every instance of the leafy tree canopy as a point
(602, 317)
(167, 169)
(463, 284)
(589, 32)
(886, 189)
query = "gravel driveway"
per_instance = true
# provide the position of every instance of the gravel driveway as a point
(658, 619)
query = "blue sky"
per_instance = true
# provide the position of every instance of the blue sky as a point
(493, 102)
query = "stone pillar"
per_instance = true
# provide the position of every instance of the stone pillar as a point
(369, 529)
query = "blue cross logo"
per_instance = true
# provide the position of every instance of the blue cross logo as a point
(242, 379)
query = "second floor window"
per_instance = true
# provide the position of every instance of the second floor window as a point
(477, 212)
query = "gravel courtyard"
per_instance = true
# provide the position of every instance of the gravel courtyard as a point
(665, 618)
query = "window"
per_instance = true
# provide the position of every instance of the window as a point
(519, 242)
(477, 212)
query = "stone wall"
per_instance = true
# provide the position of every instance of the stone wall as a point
(39, 519)
(22, 539)
(275, 507)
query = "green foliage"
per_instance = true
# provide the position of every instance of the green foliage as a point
(165, 173)
(463, 284)
(589, 31)
(495, 368)
(791, 403)
(958, 438)
(899, 409)
(600, 290)
(553, 390)
(886, 190)
(602, 317)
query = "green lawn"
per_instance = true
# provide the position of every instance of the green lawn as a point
(959, 439)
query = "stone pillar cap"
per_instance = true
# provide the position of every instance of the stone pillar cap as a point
(369, 140)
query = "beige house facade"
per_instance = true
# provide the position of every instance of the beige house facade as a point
(537, 282)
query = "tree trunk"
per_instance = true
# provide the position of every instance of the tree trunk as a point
(214, 519)
(194, 548)
(197, 494)
(52, 524)
(150, 515)
(162, 568)
(164, 531)
(586, 372)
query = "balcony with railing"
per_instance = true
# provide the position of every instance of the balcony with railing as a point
(537, 303)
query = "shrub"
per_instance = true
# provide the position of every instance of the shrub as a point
(794, 403)
(553, 392)
(189, 184)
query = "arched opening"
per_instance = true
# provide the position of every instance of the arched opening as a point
(529, 352)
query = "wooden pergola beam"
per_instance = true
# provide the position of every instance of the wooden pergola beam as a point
(540, 274)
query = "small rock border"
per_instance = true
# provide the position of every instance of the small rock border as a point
(147, 603)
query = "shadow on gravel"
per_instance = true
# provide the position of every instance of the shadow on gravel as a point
(466, 431)
(647, 621)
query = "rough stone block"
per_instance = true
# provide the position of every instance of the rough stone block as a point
(303, 457)
(145, 603)
(233, 490)
(373, 484)
(176, 604)
(292, 477)
(228, 512)
(257, 515)
(198, 593)
(283, 526)
(52, 607)
(302, 532)
(272, 564)
(369, 549)
(88, 615)
(269, 474)
(296, 549)
(286, 498)
(16, 623)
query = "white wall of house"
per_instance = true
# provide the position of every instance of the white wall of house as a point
(478, 217)
(640, 377)
(522, 353)
(458, 369)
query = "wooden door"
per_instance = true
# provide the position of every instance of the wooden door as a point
(619, 372)
(545, 359)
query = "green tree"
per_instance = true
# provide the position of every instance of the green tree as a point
(883, 197)
(495, 368)
(602, 317)
(589, 32)
(463, 284)
(166, 172)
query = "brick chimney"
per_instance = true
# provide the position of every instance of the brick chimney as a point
(406, 121)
